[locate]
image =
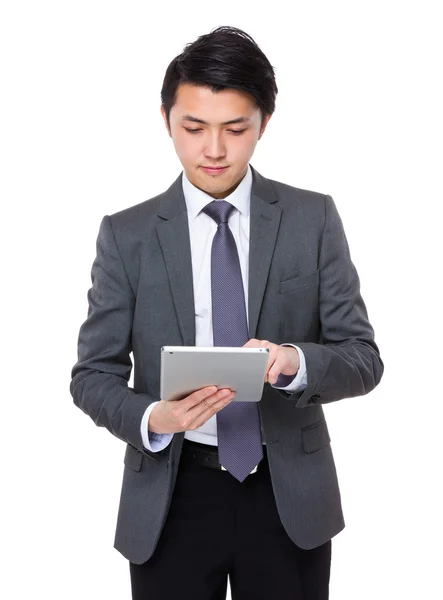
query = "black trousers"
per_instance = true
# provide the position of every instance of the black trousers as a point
(217, 527)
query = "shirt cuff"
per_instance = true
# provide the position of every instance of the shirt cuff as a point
(153, 441)
(294, 383)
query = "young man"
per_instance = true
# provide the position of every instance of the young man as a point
(212, 487)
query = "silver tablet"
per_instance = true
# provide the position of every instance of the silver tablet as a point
(185, 369)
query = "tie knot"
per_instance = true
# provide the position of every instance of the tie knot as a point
(219, 210)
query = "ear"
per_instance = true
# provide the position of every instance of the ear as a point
(265, 123)
(163, 112)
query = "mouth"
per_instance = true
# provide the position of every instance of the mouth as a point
(214, 170)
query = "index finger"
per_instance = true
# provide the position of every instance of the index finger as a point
(271, 361)
(199, 395)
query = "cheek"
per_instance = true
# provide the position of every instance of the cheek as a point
(186, 148)
(245, 147)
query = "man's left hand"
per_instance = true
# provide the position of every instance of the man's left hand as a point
(282, 359)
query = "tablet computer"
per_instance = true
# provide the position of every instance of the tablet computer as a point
(185, 369)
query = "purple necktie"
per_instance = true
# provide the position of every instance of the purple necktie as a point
(238, 424)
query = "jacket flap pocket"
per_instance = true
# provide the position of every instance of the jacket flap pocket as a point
(300, 282)
(133, 458)
(315, 436)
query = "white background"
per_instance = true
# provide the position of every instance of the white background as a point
(358, 117)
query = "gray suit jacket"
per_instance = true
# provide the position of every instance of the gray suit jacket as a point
(303, 289)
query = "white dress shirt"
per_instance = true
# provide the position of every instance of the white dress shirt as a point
(202, 229)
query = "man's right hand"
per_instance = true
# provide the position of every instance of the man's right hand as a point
(174, 416)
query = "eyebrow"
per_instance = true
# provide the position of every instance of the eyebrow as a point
(231, 122)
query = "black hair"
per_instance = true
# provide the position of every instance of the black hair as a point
(225, 58)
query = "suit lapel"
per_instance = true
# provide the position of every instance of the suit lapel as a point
(264, 224)
(173, 235)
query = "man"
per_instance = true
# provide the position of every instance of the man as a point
(212, 487)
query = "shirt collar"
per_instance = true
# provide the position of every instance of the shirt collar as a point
(196, 199)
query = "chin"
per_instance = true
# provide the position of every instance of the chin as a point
(213, 184)
(214, 190)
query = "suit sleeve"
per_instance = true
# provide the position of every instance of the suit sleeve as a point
(347, 362)
(100, 378)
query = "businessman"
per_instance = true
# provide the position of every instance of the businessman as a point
(227, 257)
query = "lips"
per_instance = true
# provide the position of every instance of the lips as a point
(214, 170)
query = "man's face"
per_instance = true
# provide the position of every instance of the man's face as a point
(214, 130)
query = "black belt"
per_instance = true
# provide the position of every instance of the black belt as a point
(207, 456)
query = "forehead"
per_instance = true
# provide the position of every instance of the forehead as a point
(213, 107)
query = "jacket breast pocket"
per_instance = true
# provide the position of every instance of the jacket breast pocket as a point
(300, 282)
(315, 437)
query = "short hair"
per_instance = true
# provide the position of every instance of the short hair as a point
(226, 58)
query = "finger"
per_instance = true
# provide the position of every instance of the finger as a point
(207, 405)
(273, 356)
(210, 410)
(196, 397)
(284, 363)
(252, 343)
(275, 370)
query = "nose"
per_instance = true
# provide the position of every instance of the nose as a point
(214, 147)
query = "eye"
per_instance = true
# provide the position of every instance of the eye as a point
(236, 131)
(192, 130)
